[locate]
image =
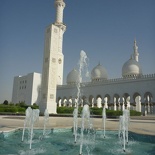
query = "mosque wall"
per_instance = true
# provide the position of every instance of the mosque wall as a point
(128, 89)
(109, 87)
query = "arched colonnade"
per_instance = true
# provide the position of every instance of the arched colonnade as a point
(139, 102)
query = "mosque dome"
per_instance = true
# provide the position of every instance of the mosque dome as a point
(99, 73)
(73, 77)
(131, 68)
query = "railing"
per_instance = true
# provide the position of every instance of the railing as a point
(109, 81)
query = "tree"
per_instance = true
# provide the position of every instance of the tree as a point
(5, 102)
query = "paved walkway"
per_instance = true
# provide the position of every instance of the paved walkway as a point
(143, 125)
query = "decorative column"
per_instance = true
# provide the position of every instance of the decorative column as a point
(99, 102)
(106, 102)
(115, 108)
(122, 103)
(148, 104)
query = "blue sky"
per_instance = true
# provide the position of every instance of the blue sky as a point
(104, 29)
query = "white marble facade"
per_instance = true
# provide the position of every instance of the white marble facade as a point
(27, 88)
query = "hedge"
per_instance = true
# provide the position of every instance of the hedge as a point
(65, 110)
(96, 111)
(15, 108)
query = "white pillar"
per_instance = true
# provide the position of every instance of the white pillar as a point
(105, 102)
(115, 104)
(99, 102)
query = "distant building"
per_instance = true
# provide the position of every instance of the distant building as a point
(27, 88)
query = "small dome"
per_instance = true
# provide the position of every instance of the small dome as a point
(99, 73)
(73, 77)
(131, 69)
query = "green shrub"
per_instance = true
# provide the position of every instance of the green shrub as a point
(21, 109)
(96, 111)
(34, 106)
(13, 109)
(135, 113)
(1, 109)
(65, 110)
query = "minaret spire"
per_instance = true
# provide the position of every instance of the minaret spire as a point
(135, 48)
(60, 5)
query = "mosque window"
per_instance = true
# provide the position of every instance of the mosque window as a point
(55, 30)
(59, 61)
(53, 60)
(51, 96)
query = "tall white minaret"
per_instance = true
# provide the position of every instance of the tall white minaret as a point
(135, 54)
(52, 72)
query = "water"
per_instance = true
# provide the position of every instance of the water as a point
(104, 120)
(123, 128)
(86, 125)
(46, 121)
(61, 142)
(83, 73)
(32, 117)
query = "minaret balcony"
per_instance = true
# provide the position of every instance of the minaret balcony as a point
(61, 26)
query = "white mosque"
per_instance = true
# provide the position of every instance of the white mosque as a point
(133, 90)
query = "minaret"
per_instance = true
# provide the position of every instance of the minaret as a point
(52, 72)
(135, 54)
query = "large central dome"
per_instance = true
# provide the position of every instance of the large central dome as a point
(131, 69)
(99, 73)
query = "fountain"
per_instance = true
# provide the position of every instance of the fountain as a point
(46, 120)
(75, 123)
(124, 127)
(85, 125)
(27, 120)
(32, 117)
(82, 68)
(104, 120)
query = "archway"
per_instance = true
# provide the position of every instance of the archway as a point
(99, 101)
(137, 102)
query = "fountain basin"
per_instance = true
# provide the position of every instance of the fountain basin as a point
(61, 142)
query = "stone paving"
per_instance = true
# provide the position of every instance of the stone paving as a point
(143, 125)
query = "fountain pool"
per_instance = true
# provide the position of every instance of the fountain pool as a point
(61, 142)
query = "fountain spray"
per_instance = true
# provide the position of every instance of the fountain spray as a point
(46, 120)
(32, 116)
(124, 127)
(104, 119)
(82, 67)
